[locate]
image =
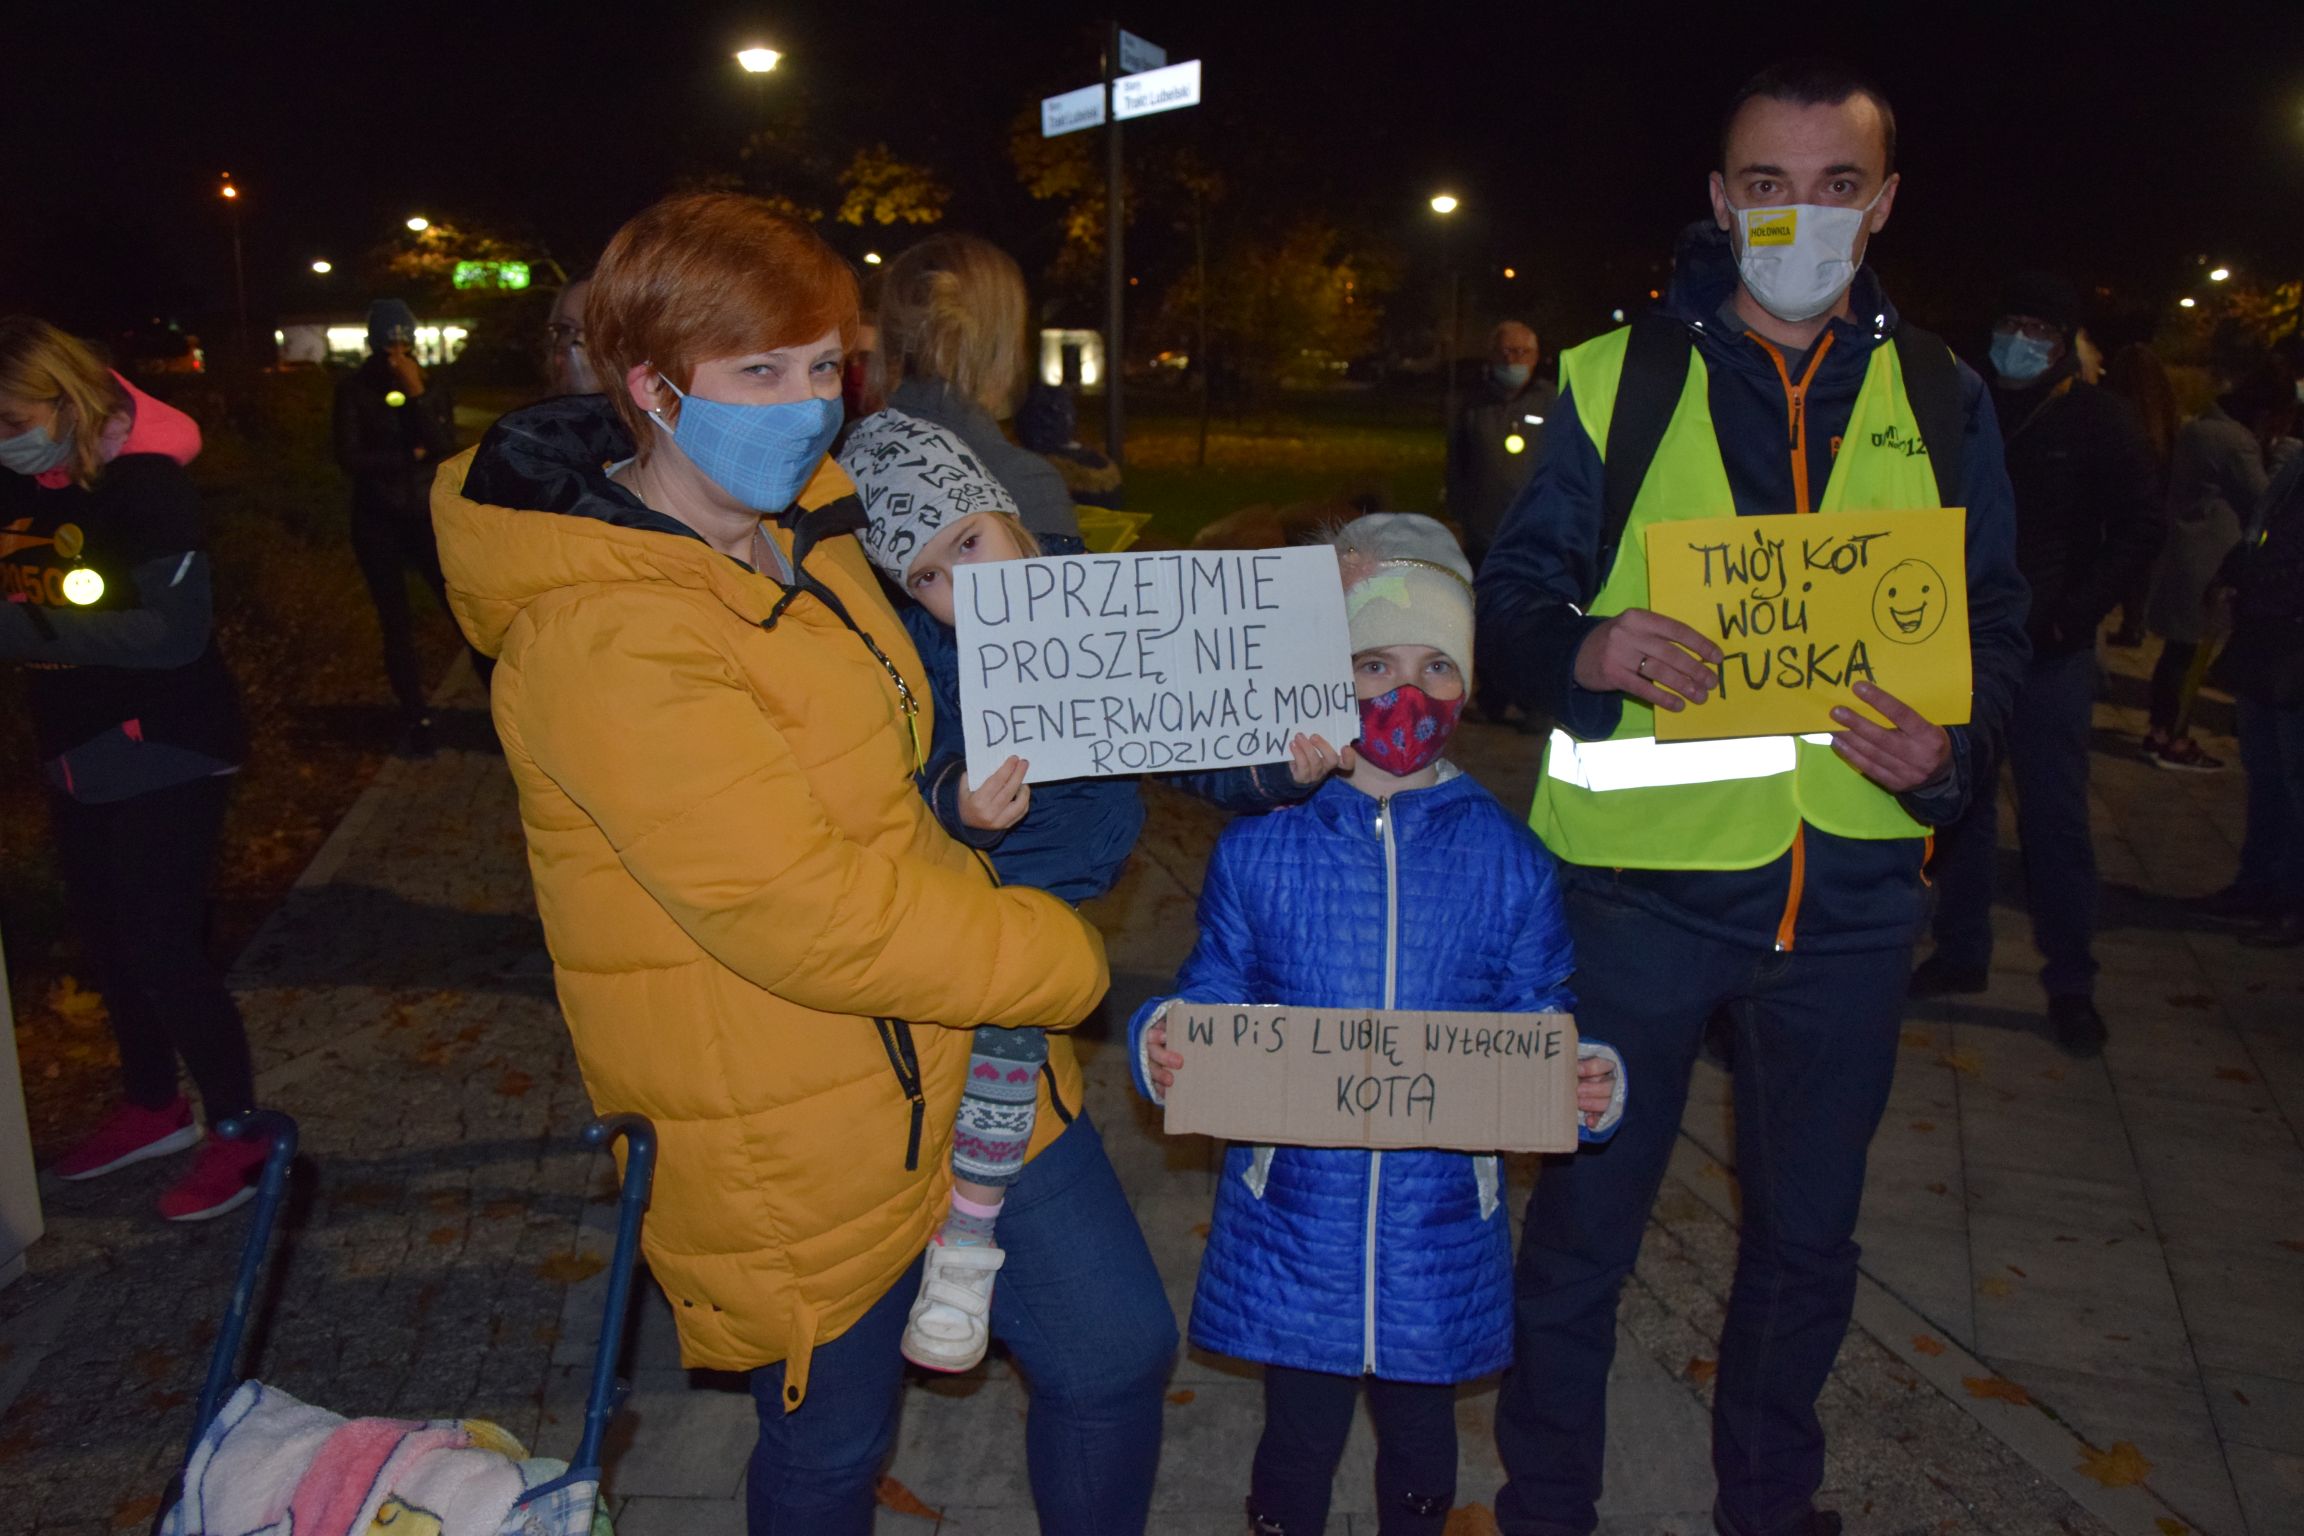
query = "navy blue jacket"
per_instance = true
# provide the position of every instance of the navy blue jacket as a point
(1078, 832)
(1542, 573)
(1331, 1259)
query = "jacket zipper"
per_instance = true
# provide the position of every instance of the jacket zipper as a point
(1391, 995)
(1796, 424)
(896, 1040)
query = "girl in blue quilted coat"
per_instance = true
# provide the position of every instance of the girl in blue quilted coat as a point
(1400, 884)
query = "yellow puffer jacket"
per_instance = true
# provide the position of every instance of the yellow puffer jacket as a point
(744, 896)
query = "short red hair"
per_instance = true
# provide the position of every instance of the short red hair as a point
(709, 274)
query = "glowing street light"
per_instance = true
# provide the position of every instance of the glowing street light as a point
(871, 258)
(417, 224)
(323, 267)
(2219, 274)
(1510, 274)
(2187, 302)
(1444, 204)
(758, 61)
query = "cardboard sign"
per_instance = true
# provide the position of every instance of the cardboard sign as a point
(1383, 1077)
(1804, 608)
(1088, 666)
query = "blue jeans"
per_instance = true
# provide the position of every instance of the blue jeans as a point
(2048, 743)
(1816, 1040)
(2272, 755)
(1080, 1307)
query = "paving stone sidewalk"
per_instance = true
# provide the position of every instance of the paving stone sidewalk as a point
(446, 1257)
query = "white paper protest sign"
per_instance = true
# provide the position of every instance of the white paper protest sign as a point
(1088, 666)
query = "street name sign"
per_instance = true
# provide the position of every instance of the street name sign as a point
(1156, 90)
(1072, 111)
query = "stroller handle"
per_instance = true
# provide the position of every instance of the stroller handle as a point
(607, 1393)
(280, 1130)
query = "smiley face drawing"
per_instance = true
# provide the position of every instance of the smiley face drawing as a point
(1908, 605)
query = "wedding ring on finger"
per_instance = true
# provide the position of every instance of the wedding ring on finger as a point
(1640, 667)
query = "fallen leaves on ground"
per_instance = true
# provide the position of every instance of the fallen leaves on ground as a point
(1918, 1039)
(1923, 1126)
(2170, 1527)
(568, 1268)
(1997, 1389)
(1924, 1345)
(1939, 1188)
(1700, 1370)
(894, 1495)
(1993, 1285)
(75, 1004)
(1966, 1063)
(2192, 1000)
(2293, 1245)
(1470, 1520)
(1200, 1230)
(136, 1513)
(514, 1083)
(2123, 1466)
(2235, 1075)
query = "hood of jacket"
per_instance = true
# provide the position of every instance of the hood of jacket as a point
(538, 512)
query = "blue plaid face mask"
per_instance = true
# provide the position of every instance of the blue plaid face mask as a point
(763, 455)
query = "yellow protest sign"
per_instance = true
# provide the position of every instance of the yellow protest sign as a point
(1804, 608)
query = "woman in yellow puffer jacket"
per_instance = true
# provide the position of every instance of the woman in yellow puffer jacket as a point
(762, 939)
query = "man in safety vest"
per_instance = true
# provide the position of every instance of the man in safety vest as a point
(1776, 879)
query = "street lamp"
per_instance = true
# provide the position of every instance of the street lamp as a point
(231, 196)
(758, 61)
(323, 268)
(2219, 274)
(417, 224)
(871, 258)
(2187, 302)
(1444, 204)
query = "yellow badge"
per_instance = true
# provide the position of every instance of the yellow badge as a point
(1771, 226)
(70, 541)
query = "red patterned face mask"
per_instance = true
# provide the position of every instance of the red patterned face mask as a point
(1406, 729)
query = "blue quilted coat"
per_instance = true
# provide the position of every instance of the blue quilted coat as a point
(1396, 1264)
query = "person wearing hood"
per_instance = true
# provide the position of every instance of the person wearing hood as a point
(2087, 527)
(106, 573)
(1777, 879)
(761, 937)
(391, 433)
(1497, 437)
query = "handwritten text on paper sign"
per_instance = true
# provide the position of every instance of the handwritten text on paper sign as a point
(1089, 666)
(1805, 608)
(1382, 1077)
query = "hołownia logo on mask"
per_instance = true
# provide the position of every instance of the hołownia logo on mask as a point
(1771, 226)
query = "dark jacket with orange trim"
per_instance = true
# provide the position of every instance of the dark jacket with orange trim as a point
(1543, 572)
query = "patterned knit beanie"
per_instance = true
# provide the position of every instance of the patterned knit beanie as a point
(914, 479)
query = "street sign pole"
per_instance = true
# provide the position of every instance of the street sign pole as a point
(1115, 267)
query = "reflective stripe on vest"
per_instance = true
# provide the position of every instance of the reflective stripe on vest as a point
(1632, 802)
(1643, 762)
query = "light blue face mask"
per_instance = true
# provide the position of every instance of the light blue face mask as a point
(2018, 358)
(33, 452)
(1512, 376)
(763, 455)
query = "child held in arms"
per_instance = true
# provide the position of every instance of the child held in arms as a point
(1400, 884)
(931, 508)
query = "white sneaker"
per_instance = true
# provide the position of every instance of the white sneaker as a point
(950, 1326)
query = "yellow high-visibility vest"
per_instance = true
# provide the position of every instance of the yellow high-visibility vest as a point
(1633, 802)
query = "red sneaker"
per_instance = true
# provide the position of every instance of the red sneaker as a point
(130, 1134)
(223, 1178)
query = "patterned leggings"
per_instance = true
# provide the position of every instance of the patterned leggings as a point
(996, 1110)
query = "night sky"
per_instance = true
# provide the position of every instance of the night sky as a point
(2118, 142)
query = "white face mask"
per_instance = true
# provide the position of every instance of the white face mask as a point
(1798, 258)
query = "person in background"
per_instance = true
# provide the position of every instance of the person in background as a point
(2136, 375)
(567, 365)
(1047, 423)
(952, 352)
(2216, 476)
(1401, 884)
(391, 434)
(1497, 437)
(109, 606)
(2262, 585)
(2087, 526)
